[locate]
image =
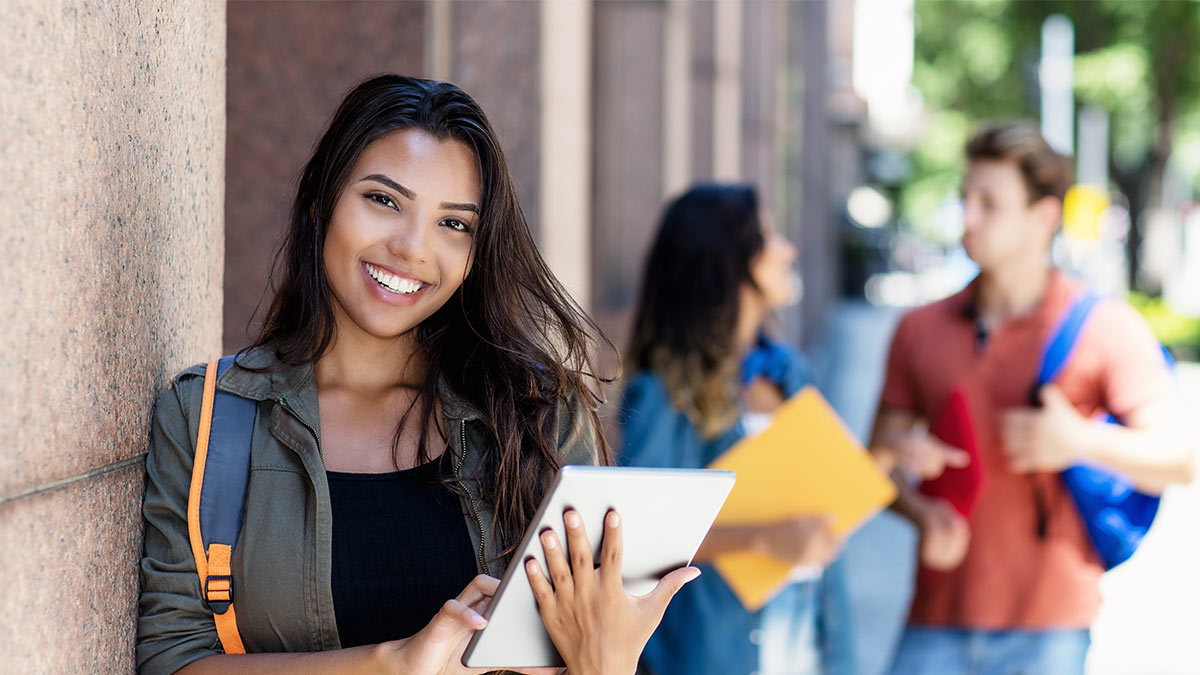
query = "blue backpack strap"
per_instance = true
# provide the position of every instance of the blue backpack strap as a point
(217, 497)
(227, 471)
(1062, 341)
(1116, 515)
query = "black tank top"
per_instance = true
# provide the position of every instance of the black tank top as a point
(400, 550)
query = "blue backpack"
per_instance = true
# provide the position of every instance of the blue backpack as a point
(1117, 515)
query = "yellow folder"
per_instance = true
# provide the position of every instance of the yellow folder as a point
(806, 462)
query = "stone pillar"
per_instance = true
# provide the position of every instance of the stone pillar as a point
(112, 142)
(627, 148)
(566, 143)
(704, 75)
(809, 52)
(495, 58)
(761, 67)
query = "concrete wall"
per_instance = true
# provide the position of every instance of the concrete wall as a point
(112, 139)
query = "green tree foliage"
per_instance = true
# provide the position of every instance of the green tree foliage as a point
(978, 59)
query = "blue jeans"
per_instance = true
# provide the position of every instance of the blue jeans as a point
(949, 651)
(787, 637)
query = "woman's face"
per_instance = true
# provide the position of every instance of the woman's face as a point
(772, 269)
(400, 240)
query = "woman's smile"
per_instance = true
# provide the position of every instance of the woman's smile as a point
(393, 288)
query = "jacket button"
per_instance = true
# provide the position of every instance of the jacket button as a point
(756, 637)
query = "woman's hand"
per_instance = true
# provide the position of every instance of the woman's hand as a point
(805, 540)
(597, 627)
(438, 647)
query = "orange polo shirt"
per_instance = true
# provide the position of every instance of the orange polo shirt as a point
(1011, 578)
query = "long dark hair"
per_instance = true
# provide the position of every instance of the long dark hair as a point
(511, 342)
(687, 314)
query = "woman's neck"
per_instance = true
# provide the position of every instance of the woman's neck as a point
(751, 314)
(1013, 291)
(361, 363)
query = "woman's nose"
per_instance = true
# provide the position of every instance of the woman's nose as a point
(790, 250)
(410, 241)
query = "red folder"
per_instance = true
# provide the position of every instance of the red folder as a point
(958, 485)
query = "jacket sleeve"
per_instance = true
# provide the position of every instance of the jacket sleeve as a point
(175, 626)
(787, 368)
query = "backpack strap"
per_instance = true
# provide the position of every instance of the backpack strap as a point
(216, 500)
(1062, 340)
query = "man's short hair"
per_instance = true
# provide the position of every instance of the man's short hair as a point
(1046, 173)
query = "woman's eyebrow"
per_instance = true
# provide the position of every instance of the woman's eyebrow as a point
(453, 206)
(380, 178)
(459, 206)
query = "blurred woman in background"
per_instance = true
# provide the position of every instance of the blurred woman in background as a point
(704, 375)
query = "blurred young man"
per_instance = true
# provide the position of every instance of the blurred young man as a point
(1012, 588)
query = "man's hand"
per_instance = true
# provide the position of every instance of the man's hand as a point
(945, 535)
(917, 453)
(1048, 439)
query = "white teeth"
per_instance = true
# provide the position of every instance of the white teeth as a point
(392, 282)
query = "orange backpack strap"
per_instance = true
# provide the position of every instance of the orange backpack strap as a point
(216, 500)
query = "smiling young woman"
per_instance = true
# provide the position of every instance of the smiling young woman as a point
(420, 377)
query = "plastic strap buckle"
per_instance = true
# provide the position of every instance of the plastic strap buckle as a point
(218, 592)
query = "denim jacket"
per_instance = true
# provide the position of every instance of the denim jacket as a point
(281, 565)
(706, 629)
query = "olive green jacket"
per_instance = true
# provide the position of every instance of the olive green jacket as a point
(281, 565)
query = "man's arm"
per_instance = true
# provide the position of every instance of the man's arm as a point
(1153, 448)
(898, 438)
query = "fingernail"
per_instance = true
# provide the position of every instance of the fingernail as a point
(571, 518)
(548, 539)
(531, 566)
(692, 577)
(478, 620)
(614, 519)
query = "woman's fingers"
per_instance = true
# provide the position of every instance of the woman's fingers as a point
(453, 617)
(611, 551)
(542, 592)
(480, 588)
(559, 569)
(666, 589)
(582, 567)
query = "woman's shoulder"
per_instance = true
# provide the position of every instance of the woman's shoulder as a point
(778, 362)
(645, 386)
(575, 424)
(252, 372)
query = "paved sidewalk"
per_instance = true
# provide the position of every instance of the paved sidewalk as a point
(1150, 622)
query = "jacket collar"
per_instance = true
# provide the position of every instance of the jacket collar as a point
(298, 386)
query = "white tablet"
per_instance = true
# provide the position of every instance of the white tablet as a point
(665, 515)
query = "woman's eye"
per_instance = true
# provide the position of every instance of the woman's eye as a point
(383, 200)
(456, 225)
